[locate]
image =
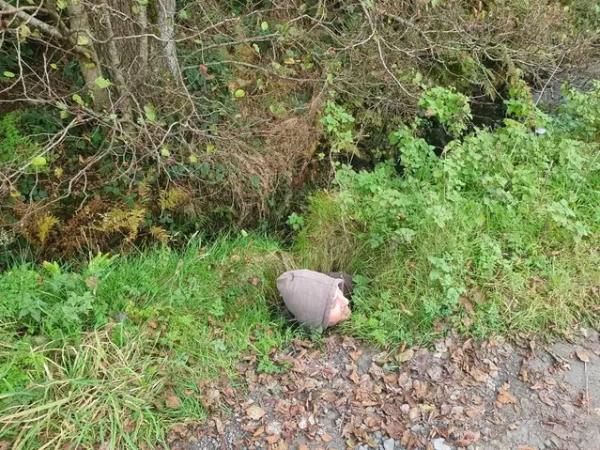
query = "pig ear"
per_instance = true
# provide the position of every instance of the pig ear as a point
(346, 285)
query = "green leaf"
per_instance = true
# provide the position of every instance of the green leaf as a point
(239, 93)
(64, 114)
(150, 112)
(183, 14)
(164, 151)
(8, 74)
(38, 162)
(264, 26)
(102, 83)
(24, 31)
(82, 40)
(53, 66)
(77, 99)
(62, 4)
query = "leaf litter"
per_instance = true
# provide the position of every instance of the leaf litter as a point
(460, 394)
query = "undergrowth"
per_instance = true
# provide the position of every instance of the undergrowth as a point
(498, 235)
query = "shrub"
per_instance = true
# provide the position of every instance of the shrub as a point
(473, 239)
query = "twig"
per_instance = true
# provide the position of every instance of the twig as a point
(548, 81)
(587, 387)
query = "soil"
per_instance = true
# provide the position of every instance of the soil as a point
(341, 394)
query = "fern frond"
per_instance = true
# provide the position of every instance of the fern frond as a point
(44, 225)
(169, 199)
(124, 220)
(160, 234)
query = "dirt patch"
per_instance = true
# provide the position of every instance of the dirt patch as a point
(460, 394)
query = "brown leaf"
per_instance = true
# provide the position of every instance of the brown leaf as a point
(327, 438)
(281, 446)
(219, 425)
(255, 412)
(303, 447)
(394, 429)
(172, 401)
(583, 356)
(545, 397)
(272, 439)
(405, 355)
(468, 438)
(526, 447)
(354, 377)
(504, 396)
(211, 398)
(479, 375)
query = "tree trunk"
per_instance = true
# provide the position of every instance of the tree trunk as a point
(90, 66)
(136, 54)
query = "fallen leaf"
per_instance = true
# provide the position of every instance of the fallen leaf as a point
(255, 412)
(327, 438)
(526, 447)
(303, 447)
(583, 356)
(405, 355)
(505, 397)
(219, 425)
(272, 439)
(545, 397)
(479, 375)
(468, 438)
(172, 401)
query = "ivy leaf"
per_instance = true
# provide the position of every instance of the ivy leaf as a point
(150, 112)
(102, 83)
(8, 74)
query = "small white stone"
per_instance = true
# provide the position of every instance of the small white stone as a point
(389, 444)
(440, 444)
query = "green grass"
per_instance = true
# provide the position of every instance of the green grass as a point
(500, 235)
(185, 317)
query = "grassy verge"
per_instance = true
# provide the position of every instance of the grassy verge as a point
(499, 235)
(116, 352)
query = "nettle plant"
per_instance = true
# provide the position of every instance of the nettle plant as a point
(339, 128)
(493, 198)
(449, 107)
